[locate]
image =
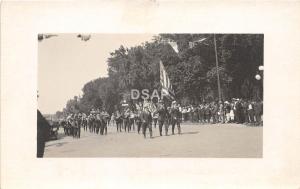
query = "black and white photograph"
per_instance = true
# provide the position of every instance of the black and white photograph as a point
(150, 95)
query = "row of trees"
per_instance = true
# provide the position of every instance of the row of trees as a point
(192, 70)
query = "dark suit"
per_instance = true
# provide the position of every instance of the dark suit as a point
(146, 123)
(162, 119)
(175, 119)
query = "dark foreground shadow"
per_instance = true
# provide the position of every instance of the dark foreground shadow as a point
(61, 136)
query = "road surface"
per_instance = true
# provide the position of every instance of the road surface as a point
(203, 141)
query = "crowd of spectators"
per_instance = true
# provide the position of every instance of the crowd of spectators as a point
(234, 111)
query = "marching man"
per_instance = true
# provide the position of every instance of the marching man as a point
(175, 117)
(162, 117)
(146, 118)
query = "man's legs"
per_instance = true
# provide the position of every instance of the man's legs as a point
(133, 123)
(155, 122)
(166, 127)
(79, 131)
(144, 125)
(139, 125)
(150, 128)
(173, 126)
(251, 116)
(257, 116)
(103, 124)
(178, 127)
(119, 127)
(160, 125)
(105, 129)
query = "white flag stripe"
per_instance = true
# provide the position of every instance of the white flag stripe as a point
(165, 80)
(174, 46)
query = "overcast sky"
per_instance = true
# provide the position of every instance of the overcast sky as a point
(66, 63)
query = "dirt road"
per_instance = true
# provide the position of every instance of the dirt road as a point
(203, 141)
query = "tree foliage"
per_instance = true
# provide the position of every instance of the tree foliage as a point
(192, 71)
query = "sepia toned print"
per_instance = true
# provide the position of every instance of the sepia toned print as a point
(150, 95)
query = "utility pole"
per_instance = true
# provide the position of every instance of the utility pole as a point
(217, 67)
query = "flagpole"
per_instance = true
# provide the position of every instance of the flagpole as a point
(217, 66)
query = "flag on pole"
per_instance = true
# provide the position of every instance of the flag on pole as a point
(174, 46)
(165, 81)
(193, 43)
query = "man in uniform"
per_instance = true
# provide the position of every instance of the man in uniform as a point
(162, 115)
(84, 121)
(90, 122)
(131, 120)
(126, 119)
(98, 122)
(104, 122)
(155, 116)
(138, 119)
(146, 118)
(78, 125)
(175, 117)
(119, 121)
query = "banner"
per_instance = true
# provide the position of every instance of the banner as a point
(165, 81)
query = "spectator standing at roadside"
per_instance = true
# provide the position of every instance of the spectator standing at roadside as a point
(227, 108)
(250, 112)
(221, 112)
(201, 113)
(257, 112)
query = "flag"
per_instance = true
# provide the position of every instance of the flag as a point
(174, 46)
(165, 81)
(193, 43)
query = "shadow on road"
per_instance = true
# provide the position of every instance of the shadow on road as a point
(61, 136)
(186, 133)
(190, 133)
(57, 144)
